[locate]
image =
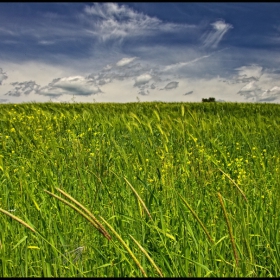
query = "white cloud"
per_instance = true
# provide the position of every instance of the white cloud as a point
(214, 37)
(124, 61)
(261, 85)
(270, 94)
(75, 85)
(249, 87)
(142, 79)
(252, 71)
(3, 76)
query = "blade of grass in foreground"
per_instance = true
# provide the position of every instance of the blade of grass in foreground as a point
(139, 198)
(229, 229)
(147, 255)
(104, 232)
(87, 211)
(125, 246)
(196, 217)
(17, 219)
(29, 227)
(137, 195)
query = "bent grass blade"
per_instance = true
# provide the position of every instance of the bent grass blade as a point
(229, 229)
(101, 230)
(196, 217)
(17, 219)
(242, 193)
(125, 246)
(87, 211)
(147, 255)
(140, 199)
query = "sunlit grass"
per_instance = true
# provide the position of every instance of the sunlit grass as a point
(152, 189)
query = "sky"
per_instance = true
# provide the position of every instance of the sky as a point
(130, 52)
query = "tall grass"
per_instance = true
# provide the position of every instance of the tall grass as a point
(150, 189)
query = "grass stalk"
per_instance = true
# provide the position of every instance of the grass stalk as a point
(147, 255)
(87, 211)
(139, 198)
(17, 219)
(197, 218)
(101, 230)
(244, 196)
(125, 246)
(229, 229)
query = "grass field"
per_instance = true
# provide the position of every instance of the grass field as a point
(140, 189)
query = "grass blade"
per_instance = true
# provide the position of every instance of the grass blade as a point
(242, 193)
(147, 255)
(229, 229)
(105, 233)
(87, 211)
(125, 246)
(139, 198)
(234, 184)
(196, 217)
(17, 219)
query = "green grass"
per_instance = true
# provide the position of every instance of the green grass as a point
(140, 189)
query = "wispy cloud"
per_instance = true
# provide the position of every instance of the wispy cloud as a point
(182, 64)
(3, 76)
(114, 21)
(219, 29)
(124, 61)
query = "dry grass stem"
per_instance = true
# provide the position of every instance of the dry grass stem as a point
(86, 210)
(105, 233)
(139, 198)
(147, 255)
(196, 217)
(17, 219)
(125, 246)
(229, 229)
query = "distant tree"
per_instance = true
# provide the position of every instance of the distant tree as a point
(210, 99)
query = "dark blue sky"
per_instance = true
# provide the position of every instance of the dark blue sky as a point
(118, 52)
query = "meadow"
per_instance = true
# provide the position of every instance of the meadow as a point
(139, 189)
